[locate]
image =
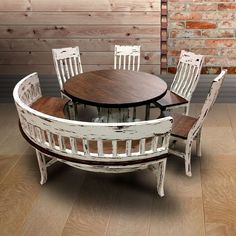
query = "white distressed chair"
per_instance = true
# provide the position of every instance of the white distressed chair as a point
(188, 128)
(184, 83)
(127, 57)
(67, 64)
(106, 147)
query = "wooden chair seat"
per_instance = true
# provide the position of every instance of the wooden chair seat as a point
(182, 124)
(170, 99)
(53, 106)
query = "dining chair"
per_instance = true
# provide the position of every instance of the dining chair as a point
(67, 64)
(127, 57)
(184, 83)
(188, 128)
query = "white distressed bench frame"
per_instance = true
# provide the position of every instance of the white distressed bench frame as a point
(50, 134)
(195, 132)
(186, 77)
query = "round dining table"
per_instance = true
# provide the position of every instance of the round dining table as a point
(115, 89)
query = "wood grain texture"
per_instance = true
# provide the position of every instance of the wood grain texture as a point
(83, 18)
(99, 5)
(84, 5)
(171, 99)
(85, 45)
(79, 31)
(87, 58)
(122, 204)
(129, 88)
(27, 26)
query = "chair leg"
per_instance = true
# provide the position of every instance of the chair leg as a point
(187, 158)
(186, 109)
(198, 144)
(160, 173)
(42, 166)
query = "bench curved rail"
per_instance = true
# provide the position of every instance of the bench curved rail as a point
(105, 147)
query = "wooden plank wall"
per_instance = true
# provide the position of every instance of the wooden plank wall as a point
(29, 29)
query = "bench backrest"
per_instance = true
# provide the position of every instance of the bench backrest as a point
(88, 140)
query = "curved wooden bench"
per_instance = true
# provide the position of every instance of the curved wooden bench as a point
(97, 147)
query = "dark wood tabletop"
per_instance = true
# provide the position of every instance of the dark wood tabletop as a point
(115, 88)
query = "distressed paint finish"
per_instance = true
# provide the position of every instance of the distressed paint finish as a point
(187, 76)
(67, 64)
(52, 134)
(127, 57)
(195, 131)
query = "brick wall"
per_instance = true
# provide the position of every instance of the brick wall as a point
(206, 27)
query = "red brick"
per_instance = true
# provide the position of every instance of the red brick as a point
(200, 25)
(212, 15)
(176, 7)
(218, 33)
(185, 16)
(172, 70)
(203, 7)
(227, 6)
(185, 34)
(227, 24)
(211, 70)
(220, 43)
(230, 70)
(219, 61)
(186, 43)
(176, 25)
(228, 51)
(206, 51)
(174, 53)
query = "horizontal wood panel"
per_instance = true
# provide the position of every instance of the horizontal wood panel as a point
(80, 5)
(49, 69)
(90, 58)
(29, 29)
(16, 5)
(80, 31)
(95, 45)
(83, 18)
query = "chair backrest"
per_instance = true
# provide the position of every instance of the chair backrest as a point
(209, 102)
(88, 140)
(187, 74)
(127, 57)
(67, 63)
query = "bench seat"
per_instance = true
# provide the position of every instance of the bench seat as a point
(53, 106)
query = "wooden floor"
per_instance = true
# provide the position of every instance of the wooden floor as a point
(74, 202)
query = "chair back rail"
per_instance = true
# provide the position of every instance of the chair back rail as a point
(127, 57)
(90, 141)
(67, 63)
(187, 74)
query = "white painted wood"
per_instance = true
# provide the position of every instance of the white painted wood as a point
(67, 64)
(195, 131)
(187, 76)
(42, 166)
(127, 57)
(56, 130)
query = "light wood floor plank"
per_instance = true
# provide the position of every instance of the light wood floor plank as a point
(220, 200)
(18, 193)
(54, 203)
(132, 206)
(91, 211)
